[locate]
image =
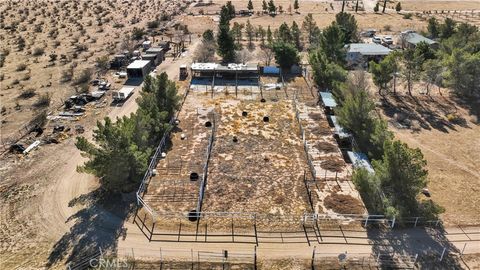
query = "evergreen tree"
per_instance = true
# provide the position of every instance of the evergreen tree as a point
(296, 6)
(284, 34)
(402, 175)
(264, 6)
(398, 7)
(250, 30)
(231, 9)
(208, 36)
(310, 26)
(286, 55)
(348, 25)
(447, 29)
(272, 9)
(433, 27)
(250, 5)
(376, 8)
(295, 32)
(225, 41)
(269, 36)
(331, 42)
(383, 72)
(326, 74)
(261, 33)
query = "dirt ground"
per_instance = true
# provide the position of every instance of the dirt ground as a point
(451, 148)
(44, 216)
(76, 32)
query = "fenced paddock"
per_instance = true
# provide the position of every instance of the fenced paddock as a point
(255, 169)
(321, 260)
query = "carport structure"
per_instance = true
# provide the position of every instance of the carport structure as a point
(216, 75)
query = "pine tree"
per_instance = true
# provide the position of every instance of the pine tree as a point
(296, 6)
(398, 7)
(250, 5)
(250, 30)
(264, 6)
(225, 41)
(272, 9)
(295, 32)
(269, 36)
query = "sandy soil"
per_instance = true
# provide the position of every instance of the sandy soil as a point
(451, 148)
(42, 214)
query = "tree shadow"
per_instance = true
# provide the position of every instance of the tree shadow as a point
(471, 104)
(95, 226)
(429, 112)
(425, 242)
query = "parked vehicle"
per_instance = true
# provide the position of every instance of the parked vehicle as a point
(123, 93)
(377, 40)
(387, 40)
(104, 86)
(368, 33)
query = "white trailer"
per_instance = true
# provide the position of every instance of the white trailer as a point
(123, 93)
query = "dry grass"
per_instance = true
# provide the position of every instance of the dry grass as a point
(333, 164)
(343, 204)
(326, 147)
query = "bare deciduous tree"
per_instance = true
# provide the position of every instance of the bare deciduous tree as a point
(267, 55)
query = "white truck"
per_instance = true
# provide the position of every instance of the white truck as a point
(123, 93)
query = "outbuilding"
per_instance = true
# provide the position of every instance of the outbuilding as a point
(159, 52)
(362, 53)
(412, 39)
(139, 68)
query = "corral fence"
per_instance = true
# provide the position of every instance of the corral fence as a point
(154, 160)
(162, 258)
(205, 167)
(346, 260)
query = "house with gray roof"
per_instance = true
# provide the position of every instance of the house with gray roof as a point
(362, 53)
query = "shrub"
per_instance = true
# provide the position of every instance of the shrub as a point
(153, 24)
(27, 93)
(38, 51)
(407, 16)
(21, 67)
(387, 27)
(84, 77)
(43, 101)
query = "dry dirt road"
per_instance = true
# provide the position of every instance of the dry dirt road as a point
(49, 218)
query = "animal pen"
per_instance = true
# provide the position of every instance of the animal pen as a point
(257, 168)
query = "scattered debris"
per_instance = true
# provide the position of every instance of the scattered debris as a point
(32, 146)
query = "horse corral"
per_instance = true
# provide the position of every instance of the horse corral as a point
(248, 165)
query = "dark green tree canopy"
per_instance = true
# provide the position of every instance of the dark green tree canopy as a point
(286, 55)
(348, 25)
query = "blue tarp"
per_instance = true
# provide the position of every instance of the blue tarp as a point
(360, 160)
(328, 99)
(339, 129)
(271, 70)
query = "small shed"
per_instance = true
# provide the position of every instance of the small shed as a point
(159, 51)
(139, 68)
(339, 130)
(151, 57)
(146, 44)
(412, 39)
(360, 160)
(270, 70)
(328, 100)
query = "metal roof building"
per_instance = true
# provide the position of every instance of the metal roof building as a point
(339, 130)
(414, 38)
(328, 100)
(360, 160)
(367, 49)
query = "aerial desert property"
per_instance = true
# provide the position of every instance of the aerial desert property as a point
(243, 134)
